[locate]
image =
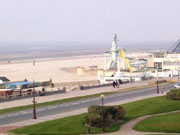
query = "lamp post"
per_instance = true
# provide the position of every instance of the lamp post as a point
(157, 82)
(102, 97)
(157, 78)
(34, 103)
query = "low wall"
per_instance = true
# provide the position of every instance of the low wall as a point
(164, 80)
(69, 84)
(155, 82)
(95, 86)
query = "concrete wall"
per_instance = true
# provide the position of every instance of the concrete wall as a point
(90, 72)
(84, 83)
(73, 70)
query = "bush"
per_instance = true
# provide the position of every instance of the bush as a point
(112, 114)
(93, 119)
(120, 113)
(94, 109)
(173, 94)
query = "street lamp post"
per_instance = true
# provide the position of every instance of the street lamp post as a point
(34, 103)
(102, 97)
(157, 82)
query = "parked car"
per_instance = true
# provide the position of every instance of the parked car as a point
(177, 86)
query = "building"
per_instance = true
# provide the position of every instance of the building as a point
(20, 88)
(175, 49)
(169, 60)
(4, 80)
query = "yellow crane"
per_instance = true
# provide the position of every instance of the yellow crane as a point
(121, 53)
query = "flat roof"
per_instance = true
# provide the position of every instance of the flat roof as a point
(21, 83)
(24, 84)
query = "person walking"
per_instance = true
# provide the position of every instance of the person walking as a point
(34, 62)
(119, 81)
(114, 84)
(118, 84)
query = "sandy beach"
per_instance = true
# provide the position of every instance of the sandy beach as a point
(45, 69)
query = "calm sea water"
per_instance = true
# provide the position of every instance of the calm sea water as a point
(22, 51)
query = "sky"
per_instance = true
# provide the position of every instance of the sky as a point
(89, 20)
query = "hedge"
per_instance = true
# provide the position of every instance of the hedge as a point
(112, 115)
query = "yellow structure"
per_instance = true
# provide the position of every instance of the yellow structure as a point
(121, 53)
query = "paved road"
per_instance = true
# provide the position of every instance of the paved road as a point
(11, 118)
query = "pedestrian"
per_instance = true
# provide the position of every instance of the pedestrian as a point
(162, 89)
(43, 89)
(52, 85)
(119, 82)
(34, 62)
(114, 84)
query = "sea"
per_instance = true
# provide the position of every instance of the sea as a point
(23, 51)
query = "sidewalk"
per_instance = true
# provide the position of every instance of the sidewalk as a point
(69, 94)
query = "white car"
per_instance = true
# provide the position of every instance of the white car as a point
(177, 86)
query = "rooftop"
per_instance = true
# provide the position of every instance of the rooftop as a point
(4, 79)
(175, 48)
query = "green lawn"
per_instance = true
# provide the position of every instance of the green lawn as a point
(168, 123)
(150, 106)
(74, 124)
(60, 101)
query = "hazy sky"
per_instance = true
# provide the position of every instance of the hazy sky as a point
(89, 20)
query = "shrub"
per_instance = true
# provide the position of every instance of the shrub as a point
(93, 119)
(94, 109)
(112, 114)
(173, 94)
(120, 113)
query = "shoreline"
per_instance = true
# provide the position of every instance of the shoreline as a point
(17, 58)
(46, 59)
